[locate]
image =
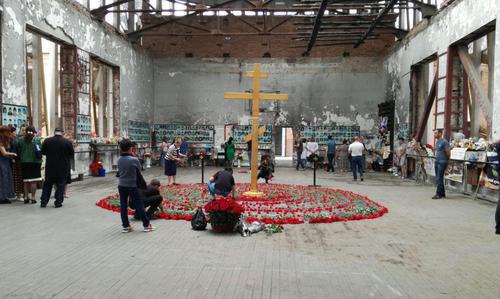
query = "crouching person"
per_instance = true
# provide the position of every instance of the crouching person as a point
(222, 183)
(150, 197)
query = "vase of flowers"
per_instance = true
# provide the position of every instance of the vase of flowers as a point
(223, 213)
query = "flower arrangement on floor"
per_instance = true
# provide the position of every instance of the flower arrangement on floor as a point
(284, 204)
(223, 214)
(96, 168)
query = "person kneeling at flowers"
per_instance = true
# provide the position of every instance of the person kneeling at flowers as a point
(222, 183)
(266, 168)
(150, 197)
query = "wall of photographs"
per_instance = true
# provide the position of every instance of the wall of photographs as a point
(83, 128)
(203, 134)
(321, 133)
(139, 131)
(14, 115)
(240, 131)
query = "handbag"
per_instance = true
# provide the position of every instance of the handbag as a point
(141, 183)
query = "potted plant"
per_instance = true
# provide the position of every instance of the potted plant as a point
(223, 213)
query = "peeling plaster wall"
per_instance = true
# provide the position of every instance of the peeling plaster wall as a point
(434, 37)
(66, 21)
(342, 91)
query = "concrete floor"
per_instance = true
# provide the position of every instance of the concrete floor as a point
(422, 249)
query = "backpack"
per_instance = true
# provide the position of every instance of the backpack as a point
(199, 221)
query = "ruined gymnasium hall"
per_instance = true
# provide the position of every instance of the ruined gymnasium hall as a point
(250, 149)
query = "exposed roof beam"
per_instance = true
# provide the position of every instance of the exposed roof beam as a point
(427, 10)
(101, 12)
(317, 24)
(167, 21)
(381, 14)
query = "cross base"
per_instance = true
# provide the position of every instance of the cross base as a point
(254, 194)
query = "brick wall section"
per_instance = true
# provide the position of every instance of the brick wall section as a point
(161, 43)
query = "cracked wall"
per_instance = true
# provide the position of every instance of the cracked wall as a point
(342, 91)
(434, 36)
(66, 21)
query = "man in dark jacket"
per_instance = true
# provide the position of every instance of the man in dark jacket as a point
(59, 152)
(151, 198)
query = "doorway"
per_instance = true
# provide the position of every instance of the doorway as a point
(284, 143)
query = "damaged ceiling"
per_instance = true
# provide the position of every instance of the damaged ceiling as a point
(269, 28)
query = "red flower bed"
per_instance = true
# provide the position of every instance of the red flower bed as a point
(225, 205)
(284, 204)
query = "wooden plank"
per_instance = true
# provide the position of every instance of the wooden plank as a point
(427, 109)
(475, 80)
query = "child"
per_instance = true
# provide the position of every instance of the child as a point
(266, 168)
(129, 173)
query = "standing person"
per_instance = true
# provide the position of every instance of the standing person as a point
(129, 173)
(356, 151)
(497, 213)
(342, 154)
(183, 149)
(330, 153)
(6, 177)
(400, 157)
(16, 164)
(58, 152)
(298, 145)
(173, 156)
(30, 155)
(229, 151)
(164, 149)
(222, 183)
(71, 164)
(303, 155)
(249, 153)
(312, 148)
(442, 154)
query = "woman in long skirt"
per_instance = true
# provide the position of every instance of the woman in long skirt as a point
(16, 165)
(6, 178)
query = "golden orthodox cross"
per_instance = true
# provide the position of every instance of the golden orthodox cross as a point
(255, 96)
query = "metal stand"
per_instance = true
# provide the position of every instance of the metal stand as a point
(315, 159)
(202, 169)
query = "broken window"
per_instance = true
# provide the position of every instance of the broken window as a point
(103, 108)
(42, 81)
(461, 99)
